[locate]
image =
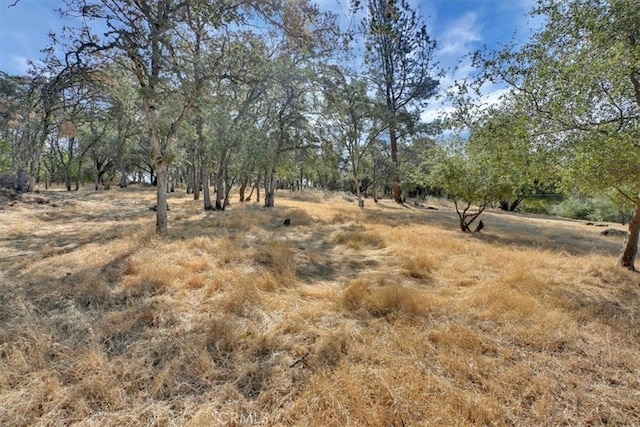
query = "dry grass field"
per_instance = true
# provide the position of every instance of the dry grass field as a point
(386, 316)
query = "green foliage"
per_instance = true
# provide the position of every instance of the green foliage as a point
(400, 51)
(536, 205)
(353, 122)
(599, 208)
(5, 155)
(466, 181)
(417, 161)
(578, 79)
(463, 179)
(399, 55)
(572, 207)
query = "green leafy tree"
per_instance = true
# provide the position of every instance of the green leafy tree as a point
(501, 139)
(580, 78)
(29, 109)
(154, 40)
(353, 122)
(400, 62)
(466, 181)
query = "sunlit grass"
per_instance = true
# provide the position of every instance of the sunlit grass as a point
(378, 316)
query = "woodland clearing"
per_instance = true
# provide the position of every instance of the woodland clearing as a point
(381, 316)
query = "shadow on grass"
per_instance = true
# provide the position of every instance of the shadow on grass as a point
(610, 297)
(58, 241)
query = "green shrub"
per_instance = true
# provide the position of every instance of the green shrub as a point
(572, 207)
(600, 208)
(537, 205)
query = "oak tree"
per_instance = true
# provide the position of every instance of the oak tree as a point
(580, 78)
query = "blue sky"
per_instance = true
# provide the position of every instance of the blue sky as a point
(459, 27)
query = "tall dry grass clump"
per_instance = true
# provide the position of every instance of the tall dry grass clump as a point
(378, 316)
(380, 298)
(357, 238)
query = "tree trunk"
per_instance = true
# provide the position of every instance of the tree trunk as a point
(204, 177)
(77, 177)
(243, 187)
(21, 185)
(107, 184)
(219, 191)
(67, 178)
(35, 167)
(197, 180)
(397, 191)
(227, 187)
(162, 227)
(123, 175)
(258, 189)
(358, 192)
(220, 184)
(253, 187)
(393, 139)
(21, 162)
(510, 207)
(270, 189)
(630, 247)
(301, 178)
(96, 178)
(184, 178)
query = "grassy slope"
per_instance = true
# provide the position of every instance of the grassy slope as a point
(382, 316)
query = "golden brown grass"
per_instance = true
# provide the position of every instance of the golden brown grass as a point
(378, 316)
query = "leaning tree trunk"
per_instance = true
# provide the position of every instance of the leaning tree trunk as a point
(630, 247)
(253, 187)
(243, 187)
(463, 226)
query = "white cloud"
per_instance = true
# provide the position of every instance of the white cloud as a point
(458, 38)
(15, 64)
(436, 111)
(456, 42)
